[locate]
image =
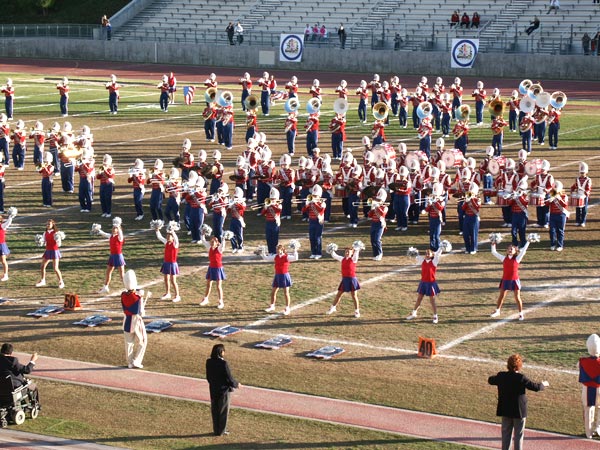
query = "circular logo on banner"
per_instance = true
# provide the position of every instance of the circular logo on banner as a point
(464, 52)
(291, 47)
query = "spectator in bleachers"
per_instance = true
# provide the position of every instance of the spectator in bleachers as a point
(107, 27)
(534, 25)
(315, 32)
(465, 21)
(239, 31)
(475, 20)
(596, 44)
(324, 34)
(230, 32)
(342, 35)
(307, 32)
(455, 19)
(554, 5)
(397, 41)
(585, 42)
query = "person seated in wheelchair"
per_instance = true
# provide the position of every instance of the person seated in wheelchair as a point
(10, 367)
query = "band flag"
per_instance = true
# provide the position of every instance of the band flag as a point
(188, 94)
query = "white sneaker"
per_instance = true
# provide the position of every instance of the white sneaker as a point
(286, 311)
(221, 305)
(559, 249)
(311, 257)
(271, 308)
(176, 299)
(61, 285)
(318, 256)
(234, 251)
(41, 283)
(546, 226)
(166, 297)
(4, 278)
(378, 257)
(496, 313)
(435, 319)
(536, 225)
(403, 228)
(553, 248)
(332, 310)
(357, 313)
(104, 290)
(412, 315)
(138, 218)
(204, 302)
(521, 317)
(473, 252)
(582, 225)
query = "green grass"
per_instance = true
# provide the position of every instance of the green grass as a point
(378, 370)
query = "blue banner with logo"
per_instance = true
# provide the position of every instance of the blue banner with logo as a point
(291, 47)
(464, 52)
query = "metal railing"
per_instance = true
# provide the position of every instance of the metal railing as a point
(70, 31)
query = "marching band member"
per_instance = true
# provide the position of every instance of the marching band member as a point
(526, 129)
(282, 277)
(462, 185)
(219, 124)
(457, 92)
(237, 208)
(228, 126)
(342, 90)
(157, 181)
(216, 173)
(403, 111)
(170, 267)
(202, 167)
(423, 85)
(506, 183)
(415, 101)
(337, 126)
(519, 214)
(274, 93)
(164, 93)
(378, 224)
(113, 94)
(241, 173)
(9, 97)
(4, 251)
(2, 171)
(485, 174)
(510, 276)
(513, 110)
(46, 170)
(427, 285)
(4, 136)
(291, 128)
(395, 89)
(107, 185)
(522, 163)
(251, 124)
(116, 259)
(589, 367)
(315, 90)
(52, 241)
(378, 132)
(349, 281)
(210, 119)
(363, 94)
(435, 205)
(498, 124)
(173, 189)
(292, 87)
(272, 212)
(265, 94)
(461, 135)
(543, 184)
(353, 187)
(385, 96)
(186, 160)
(438, 91)
(369, 171)
(133, 302)
(315, 209)
(327, 178)
(417, 183)
(402, 189)
(215, 270)
(374, 85)
(425, 130)
(218, 204)
(540, 116)
(85, 168)
(39, 137)
(53, 138)
(553, 127)
(445, 106)
(304, 182)
(137, 177)
(19, 139)
(211, 81)
(312, 132)
(470, 228)
(558, 216)
(172, 87)
(246, 83)
(285, 178)
(63, 89)
(264, 175)
(195, 197)
(583, 188)
(479, 94)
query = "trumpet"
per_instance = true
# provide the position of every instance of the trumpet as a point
(313, 199)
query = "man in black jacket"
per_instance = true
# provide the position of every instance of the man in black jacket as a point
(221, 383)
(10, 367)
(512, 400)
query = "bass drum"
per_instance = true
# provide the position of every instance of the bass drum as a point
(453, 158)
(496, 165)
(383, 153)
(415, 156)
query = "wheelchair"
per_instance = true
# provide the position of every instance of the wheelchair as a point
(15, 403)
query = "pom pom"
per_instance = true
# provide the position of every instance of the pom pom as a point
(331, 247)
(206, 230)
(495, 238)
(533, 237)
(117, 221)
(294, 245)
(156, 224)
(61, 236)
(261, 250)
(173, 227)
(12, 212)
(412, 251)
(39, 240)
(446, 246)
(228, 235)
(96, 228)
(358, 245)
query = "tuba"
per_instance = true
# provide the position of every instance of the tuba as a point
(210, 95)
(496, 107)
(292, 105)
(525, 86)
(462, 112)
(313, 106)
(558, 99)
(543, 99)
(527, 104)
(535, 90)
(381, 110)
(424, 110)
(251, 102)
(226, 99)
(340, 106)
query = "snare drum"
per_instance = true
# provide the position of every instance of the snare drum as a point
(415, 156)
(536, 199)
(490, 192)
(502, 200)
(497, 164)
(453, 158)
(340, 191)
(533, 167)
(577, 200)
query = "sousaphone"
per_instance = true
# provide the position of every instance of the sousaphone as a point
(292, 105)
(210, 95)
(381, 110)
(558, 99)
(252, 102)
(340, 106)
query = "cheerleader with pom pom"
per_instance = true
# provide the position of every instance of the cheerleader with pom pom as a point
(52, 240)
(116, 258)
(170, 268)
(4, 251)
(215, 270)
(510, 276)
(282, 277)
(349, 281)
(428, 285)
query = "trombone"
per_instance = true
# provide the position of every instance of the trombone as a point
(268, 202)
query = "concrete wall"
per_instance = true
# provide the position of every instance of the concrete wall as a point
(575, 67)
